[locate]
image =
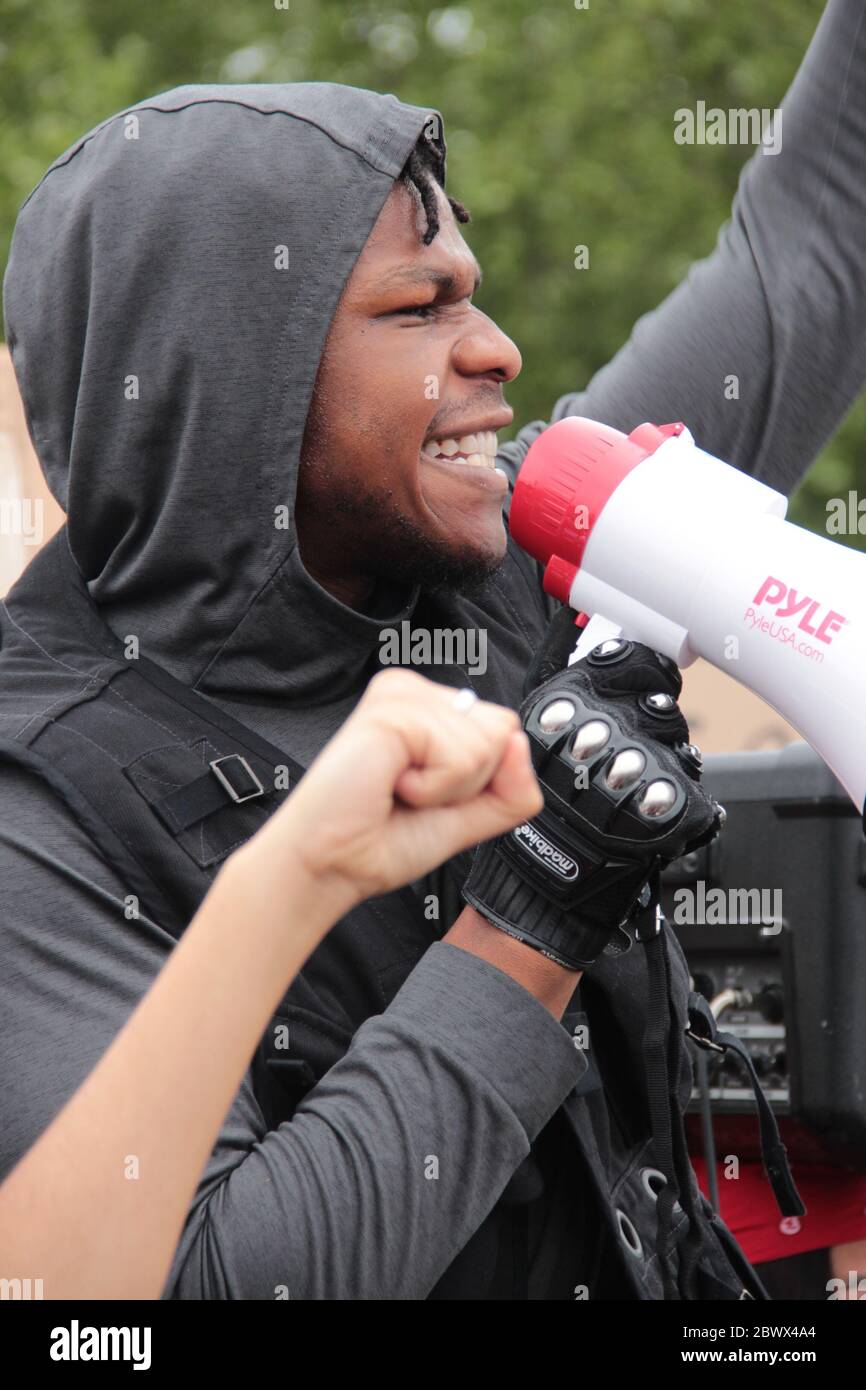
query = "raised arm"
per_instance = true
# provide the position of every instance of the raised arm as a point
(781, 301)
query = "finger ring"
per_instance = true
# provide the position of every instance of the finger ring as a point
(464, 700)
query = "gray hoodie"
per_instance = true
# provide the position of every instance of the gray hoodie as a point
(166, 365)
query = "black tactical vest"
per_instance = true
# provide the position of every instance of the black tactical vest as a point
(169, 791)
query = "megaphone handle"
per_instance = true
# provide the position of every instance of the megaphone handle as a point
(598, 629)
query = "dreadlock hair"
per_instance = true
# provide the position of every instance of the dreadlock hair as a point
(424, 167)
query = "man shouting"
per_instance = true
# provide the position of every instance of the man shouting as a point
(242, 319)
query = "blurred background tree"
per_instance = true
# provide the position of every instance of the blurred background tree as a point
(559, 124)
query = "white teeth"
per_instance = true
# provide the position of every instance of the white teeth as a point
(479, 449)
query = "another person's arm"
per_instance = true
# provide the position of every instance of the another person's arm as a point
(406, 783)
(780, 304)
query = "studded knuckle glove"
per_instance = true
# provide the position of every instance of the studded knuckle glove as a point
(622, 797)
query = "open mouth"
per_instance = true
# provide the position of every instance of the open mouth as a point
(479, 450)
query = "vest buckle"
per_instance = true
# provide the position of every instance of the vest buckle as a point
(240, 766)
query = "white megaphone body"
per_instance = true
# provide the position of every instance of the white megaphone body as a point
(654, 539)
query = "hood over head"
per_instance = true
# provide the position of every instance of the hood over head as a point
(170, 286)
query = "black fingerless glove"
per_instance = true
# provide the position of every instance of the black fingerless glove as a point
(622, 798)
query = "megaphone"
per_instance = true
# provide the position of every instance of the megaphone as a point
(648, 536)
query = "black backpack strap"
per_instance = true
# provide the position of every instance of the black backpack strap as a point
(228, 779)
(662, 1050)
(164, 783)
(246, 769)
(146, 886)
(136, 753)
(229, 769)
(210, 713)
(656, 1048)
(703, 1031)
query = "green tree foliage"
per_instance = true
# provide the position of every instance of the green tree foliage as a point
(559, 122)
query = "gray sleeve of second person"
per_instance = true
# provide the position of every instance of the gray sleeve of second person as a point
(781, 301)
(392, 1161)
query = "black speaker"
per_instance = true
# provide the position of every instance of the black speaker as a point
(772, 920)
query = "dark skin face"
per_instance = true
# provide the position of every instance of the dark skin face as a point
(373, 503)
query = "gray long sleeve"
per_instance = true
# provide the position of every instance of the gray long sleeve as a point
(392, 1161)
(388, 1167)
(780, 303)
(464, 1067)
